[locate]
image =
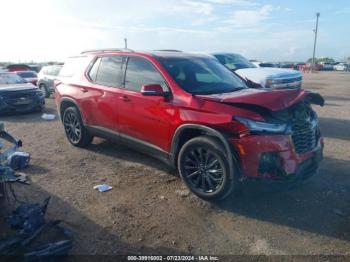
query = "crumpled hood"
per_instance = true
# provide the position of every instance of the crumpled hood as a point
(17, 87)
(274, 100)
(261, 74)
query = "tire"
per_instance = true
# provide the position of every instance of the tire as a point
(43, 89)
(204, 168)
(74, 128)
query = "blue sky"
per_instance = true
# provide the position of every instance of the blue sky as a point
(267, 30)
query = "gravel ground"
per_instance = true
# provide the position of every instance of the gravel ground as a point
(149, 210)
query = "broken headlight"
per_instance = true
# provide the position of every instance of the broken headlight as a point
(262, 127)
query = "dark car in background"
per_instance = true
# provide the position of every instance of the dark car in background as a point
(17, 95)
(46, 78)
(29, 76)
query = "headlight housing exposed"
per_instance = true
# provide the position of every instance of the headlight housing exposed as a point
(262, 127)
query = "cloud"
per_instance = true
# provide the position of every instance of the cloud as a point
(66, 27)
(234, 2)
(192, 7)
(250, 18)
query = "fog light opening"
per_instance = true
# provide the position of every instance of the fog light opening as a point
(270, 165)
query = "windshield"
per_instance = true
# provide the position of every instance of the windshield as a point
(201, 75)
(6, 79)
(234, 62)
(26, 74)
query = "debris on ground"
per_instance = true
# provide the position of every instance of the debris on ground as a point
(27, 219)
(17, 177)
(11, 159)
(103, 188)
(48, 117)
(29, 222)
(182, 193)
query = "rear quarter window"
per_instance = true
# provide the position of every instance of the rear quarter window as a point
(110, 71)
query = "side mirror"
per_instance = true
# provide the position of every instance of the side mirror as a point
(152, 90)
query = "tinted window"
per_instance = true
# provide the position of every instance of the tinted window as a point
(234, 62)
(27, 74)
(94, 69)
(110, 71)
(201, 75)
(140, 72)
(8, 78)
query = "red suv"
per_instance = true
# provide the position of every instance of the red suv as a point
(193, 113)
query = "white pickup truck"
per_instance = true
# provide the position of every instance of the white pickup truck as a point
(265, 77)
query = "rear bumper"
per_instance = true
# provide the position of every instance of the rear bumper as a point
(289, 165)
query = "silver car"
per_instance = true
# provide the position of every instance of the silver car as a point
(46, 78)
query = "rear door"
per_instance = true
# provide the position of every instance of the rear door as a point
(106, 78)
(145, 118)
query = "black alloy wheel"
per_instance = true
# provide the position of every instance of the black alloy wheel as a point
(75, 131)
(204, 168)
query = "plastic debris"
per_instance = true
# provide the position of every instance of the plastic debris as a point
(18, 160)
(103, 188)
(48, 116)
(27, 218)
(11, 159)
(29, 221)
(16, 177)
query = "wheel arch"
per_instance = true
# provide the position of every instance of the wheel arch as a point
(188, 131)
(68, 102)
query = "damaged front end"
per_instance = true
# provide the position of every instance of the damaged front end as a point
(286, 146)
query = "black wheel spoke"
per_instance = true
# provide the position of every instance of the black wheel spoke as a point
(203, 182)
(72, 127)
(193, 174)
(212, 163)
(210, 183)
(203, 169)
(214, 178)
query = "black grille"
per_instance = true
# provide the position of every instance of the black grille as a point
(305, 135)
(291, 80)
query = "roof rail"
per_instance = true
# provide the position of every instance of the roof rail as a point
(168, 50)
(107, 50)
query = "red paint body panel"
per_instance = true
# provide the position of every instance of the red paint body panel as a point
(254, 146)
(155, 119)
(274, 100)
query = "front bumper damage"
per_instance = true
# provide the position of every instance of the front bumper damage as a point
(14, 105)
(273, 157)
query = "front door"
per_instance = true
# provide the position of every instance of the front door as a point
(145, 118)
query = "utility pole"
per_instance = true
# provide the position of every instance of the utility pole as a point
(126, 42)
(315, 31)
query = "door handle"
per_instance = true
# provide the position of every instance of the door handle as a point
(125, 98)
(84, 90)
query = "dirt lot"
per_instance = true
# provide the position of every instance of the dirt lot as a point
(149, 210)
